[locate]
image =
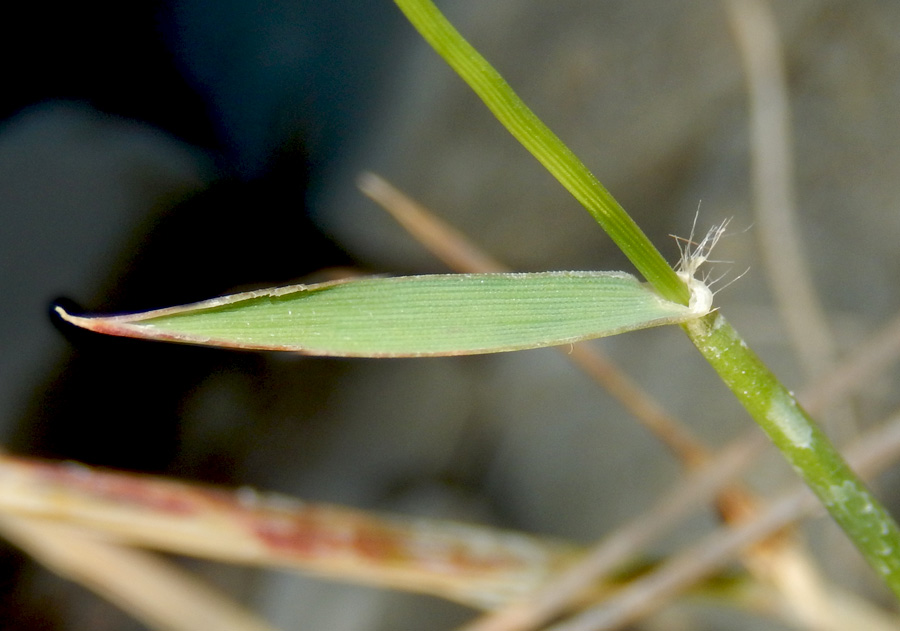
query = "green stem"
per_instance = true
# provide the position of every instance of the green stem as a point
(544, 145)
(802, 443)
(773, 407)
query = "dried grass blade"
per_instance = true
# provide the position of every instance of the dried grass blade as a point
(477, 566)
(153, 591)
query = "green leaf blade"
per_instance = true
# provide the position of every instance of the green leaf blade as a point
(544, 145)
(411, 316)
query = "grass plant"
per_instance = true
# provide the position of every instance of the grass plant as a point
(488, 309)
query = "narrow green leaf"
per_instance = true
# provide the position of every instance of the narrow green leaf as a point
(410, 316)
(543, 144)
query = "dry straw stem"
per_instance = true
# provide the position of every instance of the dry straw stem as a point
(153, 591)
(626, 542)
(479, 567)
(878, 449)
(782, 562)
(775, 208)
(867, 361)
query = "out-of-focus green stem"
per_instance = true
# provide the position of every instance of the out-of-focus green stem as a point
(544, 145)
(773, 407)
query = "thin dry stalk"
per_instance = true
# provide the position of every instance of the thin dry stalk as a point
(761, 53)
(153, 591)
(625, 542)
(443, 240)
(876, 451)
(868, 360)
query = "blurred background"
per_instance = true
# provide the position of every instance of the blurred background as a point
(154, 153)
